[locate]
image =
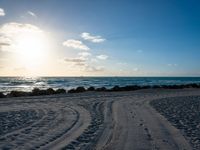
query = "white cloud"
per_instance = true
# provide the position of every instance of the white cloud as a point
(84, 60)
(74, 60)
(17, 28)
(135, 69)
(102, 57)
(91, 38)
(32, 13)
(76, 44)
(94, 68)
(122, 63)
(2, 12)
(9, 33)
(81, 63)
(94, 60)
(4, 42)
(172, 65)
(78, 61)
(84, 54)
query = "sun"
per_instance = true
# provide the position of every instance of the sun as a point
(32, 49)
(29, 48)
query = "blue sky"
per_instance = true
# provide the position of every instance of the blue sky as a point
(141, 37)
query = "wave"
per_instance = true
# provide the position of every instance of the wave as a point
(8, 84)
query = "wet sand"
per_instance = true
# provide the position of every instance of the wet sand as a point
(98, 120)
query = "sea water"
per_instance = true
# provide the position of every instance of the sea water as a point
(8, 84)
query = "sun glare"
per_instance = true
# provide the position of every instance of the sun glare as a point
(32, 49)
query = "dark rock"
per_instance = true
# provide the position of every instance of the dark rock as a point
(60, 91)
(116, 88)
(80, 89)
(77, 90)
(35, 92)
(18, 94)
(146, 87)
(193, 85)
(91, 88)
(2, 95)
(49, 91)
(156, 87)
(72, 91)
(131, 88)
(101, 89)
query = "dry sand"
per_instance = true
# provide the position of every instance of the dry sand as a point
(93, 120)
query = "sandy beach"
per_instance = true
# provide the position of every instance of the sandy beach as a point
(138, 120)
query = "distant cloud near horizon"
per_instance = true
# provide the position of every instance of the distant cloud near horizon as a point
(83, 60)
(32, 13)
(94, 68)
(82, 64)
(76, 44)
(135, 69)
(95, 39)
(78, 61)
(2, 12)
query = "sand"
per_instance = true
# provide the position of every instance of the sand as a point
(184, 114)
(100, 120)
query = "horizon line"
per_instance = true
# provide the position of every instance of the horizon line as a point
(101, 76)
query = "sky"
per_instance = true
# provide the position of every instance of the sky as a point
(99, 38)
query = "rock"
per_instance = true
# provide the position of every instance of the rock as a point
(2, 95)
(35, 92)
(60, 91)
(101, 89)
(18, 94)
(72, 91)
(49, 91)
(116, 88)
(77, 90)
(80, 89)
(91, 88)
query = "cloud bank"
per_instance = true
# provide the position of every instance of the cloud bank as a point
(84, 60)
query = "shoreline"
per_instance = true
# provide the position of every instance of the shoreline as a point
(80, 89)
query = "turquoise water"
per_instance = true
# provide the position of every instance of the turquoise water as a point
(8, 84)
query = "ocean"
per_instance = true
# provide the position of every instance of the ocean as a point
(8, 84)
